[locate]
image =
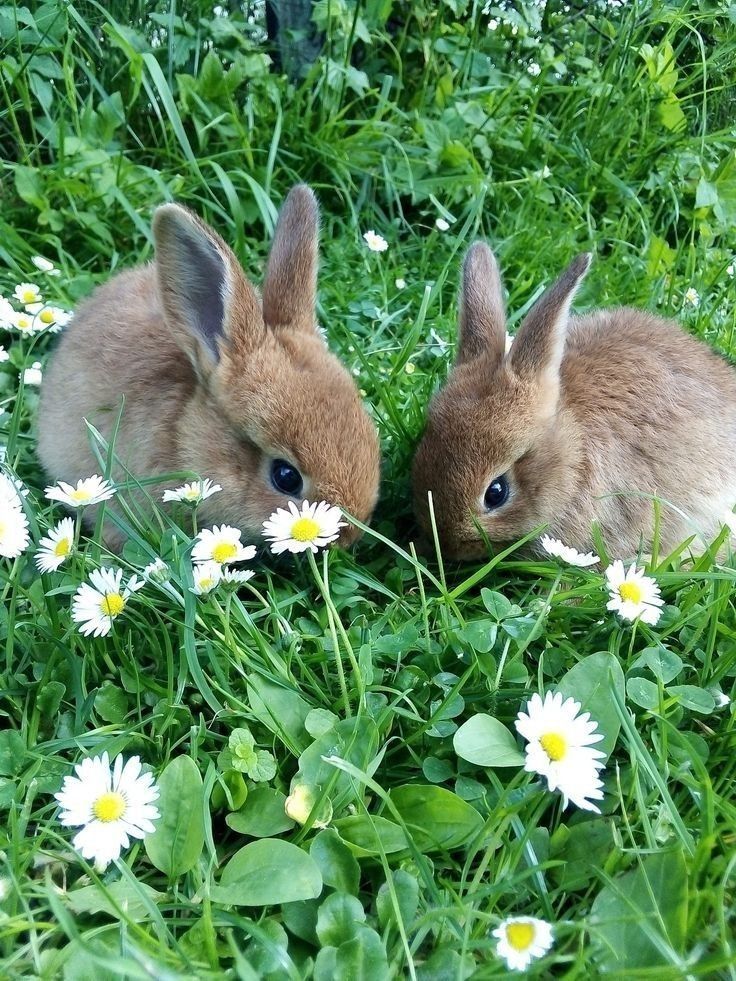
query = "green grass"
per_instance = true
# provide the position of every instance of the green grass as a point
(417, 111)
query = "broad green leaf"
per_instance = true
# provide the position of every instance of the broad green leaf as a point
(176, 844)
(267, 872)
(12, 752)
(338, 919)
(436, 818)
(354, 740)
(485, 741)
(370, 834)
(643, 693)
(693, 698)
(589, 682)
(111, 703)
(336, 862)
(406, 892)
(640, 919)
(320, 721)
(664, 664)
(262, 815)
(362, 959)
(280, 709)
(133, 899)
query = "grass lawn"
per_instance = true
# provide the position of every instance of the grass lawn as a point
(377, 688)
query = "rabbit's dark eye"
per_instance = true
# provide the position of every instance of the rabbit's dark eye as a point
(286, 478)
(497, 493)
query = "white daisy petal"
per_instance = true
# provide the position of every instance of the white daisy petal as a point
(56, 548)
(559, 748)
(221, 544)
(96, 607)
(27, 293)
(90, 490)
(375, 242)
(206, 576)
(522, 939)
(553, 546)
(313, 527)
(192, 493)
(633, 594)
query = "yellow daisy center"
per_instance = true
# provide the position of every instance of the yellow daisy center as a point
(207, 583)
(79, 495)
(24, 323)
(554, 745)
(62, 547)
(224, 552)
(520, 935)
(630, 591)
(191, 494)
(109, 807)
(305, 530)
(46, 317)
(29, 296)
(112, 604)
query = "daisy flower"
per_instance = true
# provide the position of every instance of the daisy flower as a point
(194, 492)
(633, 594)
(559, 748)
(45, 265)
(441, 224)
(521, 939)
(89, 490)
(221, 544)
(236, 576)
(4, 355)
(206, 575)
(692, 297)
(553, 546)
(27, 293)
(315, 526)
(24, 322)
(48, 317)
(156, 571)
(376, 243)
(400, 283)
(14, 536)
(33, 375)
(534, 69)
(6, 312)
(112, 805)
(56, 547)
(97, 606)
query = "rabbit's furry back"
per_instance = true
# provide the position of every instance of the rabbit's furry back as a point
(586, 418)
(210, 378)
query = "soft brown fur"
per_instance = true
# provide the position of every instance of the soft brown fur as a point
(213, 381)
(589, 418)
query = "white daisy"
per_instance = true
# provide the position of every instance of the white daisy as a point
(6, 312)
(14, 536)
(521, 939)
(236, 576)
(4, 355)
(34, 375)
(97, 606)
(375, 242)
(156, 571)
(194, 492)
(89, 490)
(692, 297)
(27, 293)
(206, 575)
(23, 322)
(559, 748)
(45, 265)
(48, 317)
(534, 69)
(400, 283)
(553, 546)
(56, 547)
(315, 526)
(221, 544)
(441, 224)
(633, 594)
(112, 806)
(11, 490)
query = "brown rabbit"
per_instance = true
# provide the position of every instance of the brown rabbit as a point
(214, 380)
(585, 419)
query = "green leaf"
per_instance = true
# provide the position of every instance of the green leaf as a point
(665, 665)
(12, 752)
(49, 699)
(320, 721)
(406, 891)
(339, 919)
(280, 709)
(370, 834)
(589, 682)
(336, 862)
(29, 185)
(643, 693)
(176, 844)
(362, 959)
(266, 872)
(640, 918)
(262, 815)
(134, 899)
(485, 741)
(693, 698)
(436, 818)
(111, 703)
(497, 604)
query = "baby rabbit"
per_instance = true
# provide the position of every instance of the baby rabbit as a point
(585, 419)
(213, 378)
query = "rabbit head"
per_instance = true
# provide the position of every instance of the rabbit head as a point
(499, 451)
(275, 416)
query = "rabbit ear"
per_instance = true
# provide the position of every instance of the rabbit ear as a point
(482, 312)
(290, 286)
(536, 353)
(205, 295)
